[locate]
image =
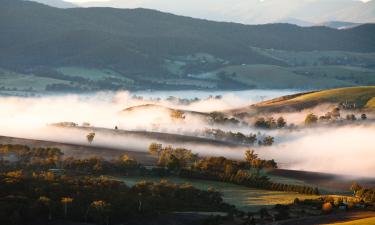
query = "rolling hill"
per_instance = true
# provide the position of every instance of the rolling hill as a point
(56, 3)
(362, 97)
(89, 49)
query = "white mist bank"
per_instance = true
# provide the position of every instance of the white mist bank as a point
(342, 150)
(347, 150)
(102, 109)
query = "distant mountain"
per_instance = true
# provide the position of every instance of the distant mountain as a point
(339, 24)
(107, 48)
(259, 11)
(55, 3)
(297, 22)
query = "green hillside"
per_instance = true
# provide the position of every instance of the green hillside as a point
(107, 48)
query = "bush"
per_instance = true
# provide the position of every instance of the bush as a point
(327, 208)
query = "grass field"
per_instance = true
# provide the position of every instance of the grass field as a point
(368, 221)
(313, 58)
(93, 74)
(247, 199)
(271, 76)
(361, 96)
(22, 82)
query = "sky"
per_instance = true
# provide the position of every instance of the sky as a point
(252, 11)
(80, 1)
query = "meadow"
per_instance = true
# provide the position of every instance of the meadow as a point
(246, 199)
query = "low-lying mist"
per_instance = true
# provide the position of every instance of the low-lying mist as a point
(345, 149)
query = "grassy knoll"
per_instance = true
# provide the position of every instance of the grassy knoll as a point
(361, 96)
(367, 221)
(244, 198)
(371, 104)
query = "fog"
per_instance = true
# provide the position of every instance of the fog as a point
(345, 149)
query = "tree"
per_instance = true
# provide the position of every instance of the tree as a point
(351, 117)
(66, 201)
(45, 201)
(258, 165)
(155, 149)
(281, 122)
(250, 156)
(90, 137)
(355, 188)
(311, 119)
(267, 141)
(102, 211)
(335, 113)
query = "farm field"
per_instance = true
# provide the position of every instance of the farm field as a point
(12, 81)
(247, 199)
(258, 75)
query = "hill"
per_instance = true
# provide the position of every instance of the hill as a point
(339, 24)
(56, 3)
(362, 97)
(90, 49)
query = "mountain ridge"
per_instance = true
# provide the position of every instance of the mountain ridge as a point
(147, 48)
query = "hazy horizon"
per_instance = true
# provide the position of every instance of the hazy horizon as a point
(306, 12)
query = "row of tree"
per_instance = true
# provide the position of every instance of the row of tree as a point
(246, 172)
(238, 137)
(270, 123)
(35, 198)
(331, 116)
(365, 194)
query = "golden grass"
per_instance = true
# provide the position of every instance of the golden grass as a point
(244, 198)
(368, 221)
(362, 96)
(371, 104)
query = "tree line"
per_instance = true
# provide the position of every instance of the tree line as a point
(38, 197)
(246, 172)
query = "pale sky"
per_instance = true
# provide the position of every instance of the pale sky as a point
(252, 11)
(83, 1)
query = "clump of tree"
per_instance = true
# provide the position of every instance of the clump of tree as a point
(177, 115)
(311, 119)
(246, 173)
(221, 118)
(38, 159)
(266, 141)
(230, 136)
(364, 194)
(270, 123)
(34, 198)
(172, 158)
(65, 124)
(255, 162)
(351, 117)
(90, 137)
